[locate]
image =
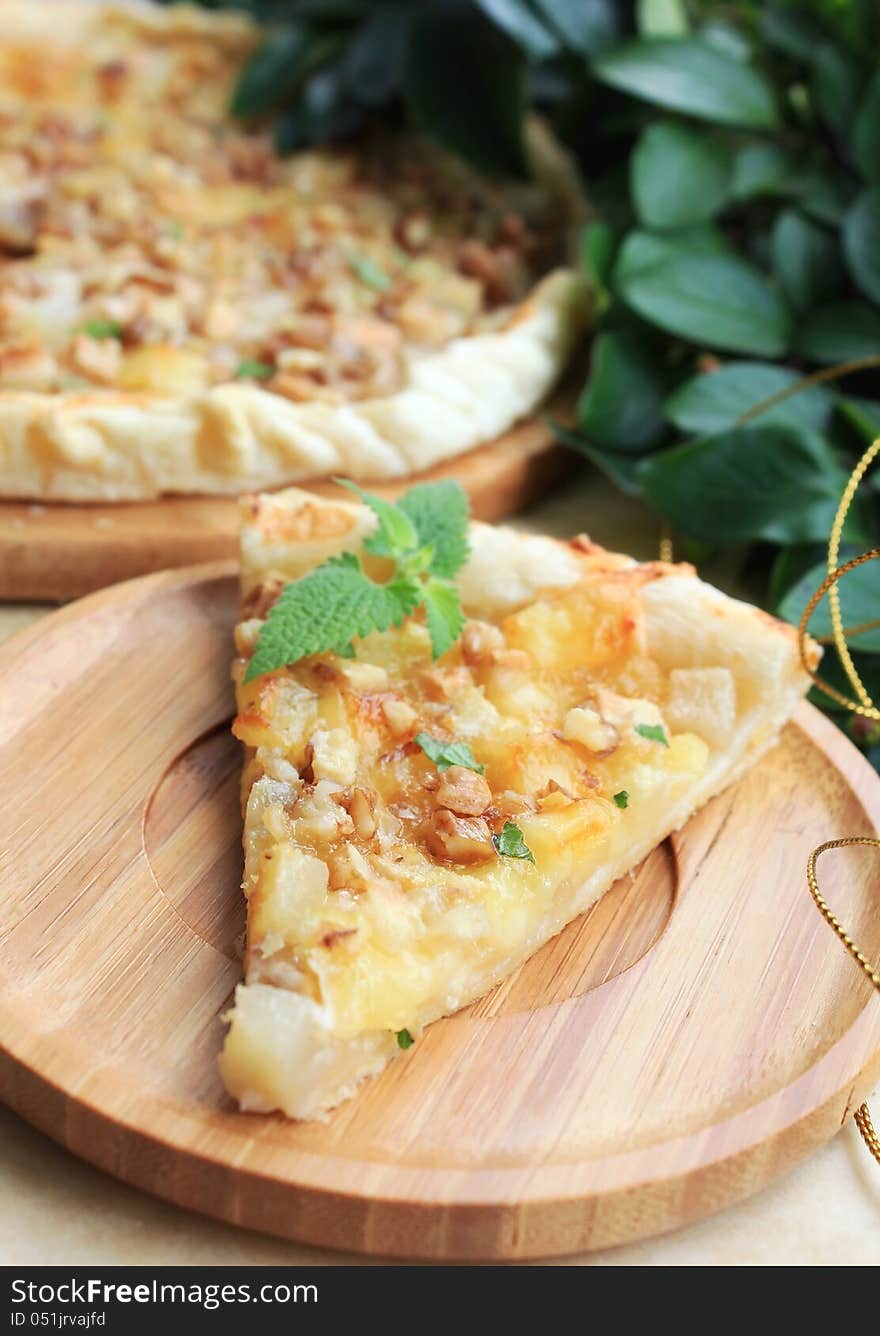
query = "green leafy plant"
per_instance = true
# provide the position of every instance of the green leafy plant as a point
(731, 159)
(424, 539)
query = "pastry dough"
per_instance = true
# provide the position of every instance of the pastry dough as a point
(605, 700)
(184, 311)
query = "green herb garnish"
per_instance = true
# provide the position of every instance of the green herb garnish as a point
(445, 754)
(370, 273)
(621, 799)
(510, 843)
(103, 329)
(404, 1039)
(424, 536)
(653, 732)
(249, 368)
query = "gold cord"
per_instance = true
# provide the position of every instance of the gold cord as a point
(862, 1115)
(864, 706)
(846, 500)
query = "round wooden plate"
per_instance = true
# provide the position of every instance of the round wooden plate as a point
(694, 1035)
(54, 551)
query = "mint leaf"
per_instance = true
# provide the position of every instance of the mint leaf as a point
(370, 273)
(439, 512)
(404, 1039)
(251, 369)
(444, 754)
(103, 329)
(654, 733)
(621, 799)
(338, 602)
(396, 533)
(510, 843)
(444, 614)
(325, 610)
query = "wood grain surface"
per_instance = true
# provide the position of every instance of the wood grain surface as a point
(51, 551)
(693, 1036)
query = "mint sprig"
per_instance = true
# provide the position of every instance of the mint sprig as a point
(425, 538)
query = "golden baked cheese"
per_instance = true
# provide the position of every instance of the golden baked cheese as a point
(602, 702)
(181, 309)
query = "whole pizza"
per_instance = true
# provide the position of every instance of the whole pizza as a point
(184, 310)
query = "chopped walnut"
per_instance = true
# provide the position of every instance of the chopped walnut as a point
(463, 791)
(587, 727)
(479, 640)
(361, 807)
(399, 716)
(459, 839)
(442, 684)
(509, 803)
(100, 359)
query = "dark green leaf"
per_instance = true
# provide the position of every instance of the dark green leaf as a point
(839, 333)
(861, 242)
(325, 111)
(510, 843)
(868, 668)
(621, 469)
(714, 400)
(520, 22)
(859, 602)
(597, 252)
(404, 1039)
(823, 192)
(709, 297)
(621, 407)
(586, 26)
(373, 65)
(621, 799)
(866, 132)
(835, 86)
(680, 175)
(863, 415)
(806, 260)
(793, 31)
(466, 85)
(653, 733)
(276, 69)
(688, 75)
(749, 483)
(762, 169)
(446, 753)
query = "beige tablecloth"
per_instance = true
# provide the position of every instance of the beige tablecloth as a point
(56, 1210)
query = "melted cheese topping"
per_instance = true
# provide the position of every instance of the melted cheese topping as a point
(149, 243)
(373, 883)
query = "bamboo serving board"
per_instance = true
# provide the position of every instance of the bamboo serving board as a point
(51, 552)
(693, 1036)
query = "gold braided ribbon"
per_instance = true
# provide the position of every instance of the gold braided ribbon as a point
(864, 705)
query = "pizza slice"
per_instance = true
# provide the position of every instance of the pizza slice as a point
(417, 826)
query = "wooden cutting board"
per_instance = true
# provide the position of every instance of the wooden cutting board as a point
(51, 552)
(694, 1035)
